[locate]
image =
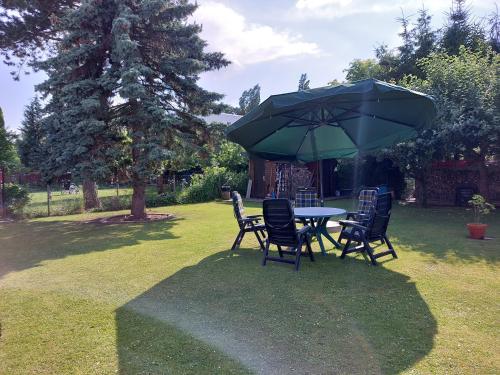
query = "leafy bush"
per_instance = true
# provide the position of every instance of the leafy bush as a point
(68, 207)
(16, 197)
(165, 199)
(115, 203)
(207, 186)
(231, 156)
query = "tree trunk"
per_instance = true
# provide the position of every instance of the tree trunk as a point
(90, 198)
(3, 210)
(421, 188)
(483, 179)
(139, 200)
(159, 184)
(49, 199)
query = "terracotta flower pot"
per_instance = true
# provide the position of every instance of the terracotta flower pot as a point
(477, 231)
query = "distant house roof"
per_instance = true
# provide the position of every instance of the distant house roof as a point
(224, 118)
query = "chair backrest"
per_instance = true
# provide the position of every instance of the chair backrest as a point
(280, 222)
(306, 197)
(366, 201)
(379, 221)
(239, 209)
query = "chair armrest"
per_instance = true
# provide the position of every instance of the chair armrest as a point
(251, 219)
(351, 223)
(304, 230)
(254, 216)
(351, 215)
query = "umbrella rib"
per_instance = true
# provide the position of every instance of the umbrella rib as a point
(380, 117)
(301, 143)
(268, 135)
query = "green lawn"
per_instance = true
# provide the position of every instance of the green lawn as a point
(169, 298)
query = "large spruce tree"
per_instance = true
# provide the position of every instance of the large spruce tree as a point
(81, 138)
(29, 29)
(158, 57)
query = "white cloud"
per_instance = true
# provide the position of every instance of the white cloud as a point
(247, 43)
(340, 8)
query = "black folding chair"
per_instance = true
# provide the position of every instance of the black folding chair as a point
(366, 203)
(282, 232)
(250, 223)
(374, 230)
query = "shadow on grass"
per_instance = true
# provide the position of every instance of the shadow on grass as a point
(442, 234)
(331, 317)
(26, 245)
(439, 232)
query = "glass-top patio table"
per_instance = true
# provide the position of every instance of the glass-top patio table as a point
(317, 218)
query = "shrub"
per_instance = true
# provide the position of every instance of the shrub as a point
(207, 186)
(165, 199)
(116, 203)
(67, 207)
(16, 198)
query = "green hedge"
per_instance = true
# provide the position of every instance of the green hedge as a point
(207, 186)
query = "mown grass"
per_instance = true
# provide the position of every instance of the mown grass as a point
(168, 297)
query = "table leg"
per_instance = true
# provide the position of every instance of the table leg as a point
(316, 227)
(324, 231)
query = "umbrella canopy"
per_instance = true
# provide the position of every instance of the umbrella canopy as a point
(332, 122)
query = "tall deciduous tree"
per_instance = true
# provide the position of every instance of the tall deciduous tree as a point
(31, 144)
(359, 69)
(467, 91)
(466, 88)
(249, 99)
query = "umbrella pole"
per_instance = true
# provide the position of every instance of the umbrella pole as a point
(320, 166)
(322, 198)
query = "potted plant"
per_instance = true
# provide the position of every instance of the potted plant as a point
(480, 207)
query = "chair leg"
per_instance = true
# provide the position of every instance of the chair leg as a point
(237, 241)
(389, 245)
(341, 237)
(266, 253)
(344, 250)
(261, 244)
(369, 252)
(297, 256)
(280, 252)
(309, 249)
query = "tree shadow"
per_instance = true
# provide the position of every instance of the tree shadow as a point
(26, 245)
(442, 234)
(330, 317)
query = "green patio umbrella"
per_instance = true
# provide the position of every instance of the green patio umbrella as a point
(332, 122)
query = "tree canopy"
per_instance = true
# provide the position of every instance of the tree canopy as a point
(249, 99)
(31, 145)
(304, 82)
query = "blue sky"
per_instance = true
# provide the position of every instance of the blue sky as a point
(271, 42)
